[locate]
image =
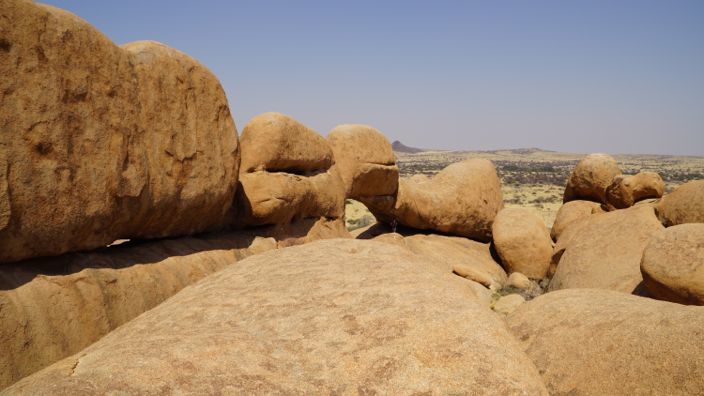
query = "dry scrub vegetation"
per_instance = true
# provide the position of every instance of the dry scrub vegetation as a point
(536, 178)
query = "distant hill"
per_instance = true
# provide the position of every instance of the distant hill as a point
(402, 148)
(524, 151)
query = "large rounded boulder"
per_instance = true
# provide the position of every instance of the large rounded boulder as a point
(625, 191)
(336, 316)
(102, 142)
(673, 264)
(523, 242)
(63, 304)
(684, 205)
(590, 178)
(570, 212)
(286, 174)
(599, 342)
(461, 199)
(365, 161)
(603, 251)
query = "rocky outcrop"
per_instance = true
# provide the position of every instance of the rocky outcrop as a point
(570, 212)
(65, 303)
(523, 242)
(604, 250)
(625, 191)
(104, 142)
(365, 161)
(462, 200)
(684, 205)
(464, 257)
(338, 316)
(673, 264)
(51, 308)
(598, 342)
(286, 174)
(590, 178)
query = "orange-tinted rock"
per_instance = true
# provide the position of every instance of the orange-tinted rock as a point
(523, 242)
(673, 264)
(337, 316)
(462, 200)
(590, 178)
(286, 174)
(103, 142)
(570, 212)
(625, 191)
(603, 251)
(684, 205)
(600, 342)
(51, 308)
(365, 161)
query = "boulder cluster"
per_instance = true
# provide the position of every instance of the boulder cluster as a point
(146, 248)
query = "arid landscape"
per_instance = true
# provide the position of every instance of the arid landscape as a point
(149, 246)
(535, 178)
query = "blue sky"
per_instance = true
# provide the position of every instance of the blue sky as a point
(581, 76)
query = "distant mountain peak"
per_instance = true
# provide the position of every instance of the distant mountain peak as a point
(402, 148)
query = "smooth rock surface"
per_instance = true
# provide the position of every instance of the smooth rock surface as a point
(522, 241)
(465, 257)
(625, 191)
(571, 211)
(365, 161)
(684, 205)
(590, 178)
(338, 316)
(673, 264)
(508, 303)
(51, 308)
(604, 250)
(286, 174)
(461, 200)
(519, 281)
(103, 142)
(599, 342)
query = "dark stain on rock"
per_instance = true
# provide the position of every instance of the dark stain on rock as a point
(5, 45)
(40, 55)
(43, 148)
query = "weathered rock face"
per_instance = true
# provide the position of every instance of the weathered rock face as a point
(523, 242)
(51, 308)
(465, 257)
(635, 346)
(508, 303)
(570, 212)
(365, 161)
(303, 231)
(590, 178)
(604, 250)
(286, 173)
(103, 143)
(684, 205)
(338, 316)
(462, 199)
(673, 264)
(625, 191)
(275, 142)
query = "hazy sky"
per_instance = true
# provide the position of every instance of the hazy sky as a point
(582, 76)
